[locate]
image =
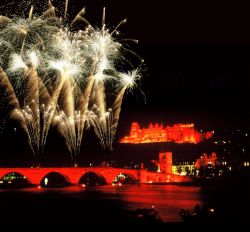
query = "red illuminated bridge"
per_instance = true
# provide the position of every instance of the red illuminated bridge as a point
(107, 174)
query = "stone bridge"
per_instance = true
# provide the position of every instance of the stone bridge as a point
(108, 174)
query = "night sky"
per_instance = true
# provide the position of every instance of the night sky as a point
(197, 65)
(197, 60)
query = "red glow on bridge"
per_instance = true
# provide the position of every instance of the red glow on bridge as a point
(108, 174)
(178, 133)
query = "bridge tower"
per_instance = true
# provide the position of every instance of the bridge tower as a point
(165, 162)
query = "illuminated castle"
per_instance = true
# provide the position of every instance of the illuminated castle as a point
(178, 133)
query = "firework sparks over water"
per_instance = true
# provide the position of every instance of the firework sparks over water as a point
(54, 75)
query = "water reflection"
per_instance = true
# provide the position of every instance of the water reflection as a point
(167, 199)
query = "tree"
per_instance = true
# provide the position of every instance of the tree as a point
(179, 170)
(187, 170)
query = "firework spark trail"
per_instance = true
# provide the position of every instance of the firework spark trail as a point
(100, 97)
(24, 36)
(83, 107)
(5, 83)
(66, 128)
(128, 81)
(12, 99)
(66, 8)
(60, 75)
(46, 111)
(31, 12)
(73, 116)
(31, 101)
(49, 111)
(69, 116)
(99, 100)
(94, 121)
(35, 116)
(70, 67)
(65, 118)
(105, 51)
(25, 116)
(100, 46)
(43, 111)
(101, 118)
(102, 126)
(117, 110)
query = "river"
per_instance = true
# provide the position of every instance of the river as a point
(167, 199)
(78, 205)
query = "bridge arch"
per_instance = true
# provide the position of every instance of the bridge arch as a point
(54, 179)
(124, 178)
(14, 179)
(92, 178)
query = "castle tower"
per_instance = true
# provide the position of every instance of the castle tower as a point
(135, 129)
(165, 162)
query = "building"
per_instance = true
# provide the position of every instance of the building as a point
(165, 162)
(206, 160)
(184, 168)
(178, 133)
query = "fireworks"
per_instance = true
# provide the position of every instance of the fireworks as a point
(54, 75)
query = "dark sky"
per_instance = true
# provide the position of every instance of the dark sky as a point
(197, 58)
(196, 54)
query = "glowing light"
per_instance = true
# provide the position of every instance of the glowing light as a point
(34, 59)
(17, 63)
(211, 210)
(65, 68)
(130, 79)
(46, 180)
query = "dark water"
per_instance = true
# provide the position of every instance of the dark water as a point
(78, 206)
(76, 203)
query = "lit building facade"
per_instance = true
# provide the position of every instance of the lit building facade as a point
(178, 133)
(206, 160)
(184, 168)
(165, 162)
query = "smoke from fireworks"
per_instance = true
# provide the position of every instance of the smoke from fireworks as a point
(54, 75)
